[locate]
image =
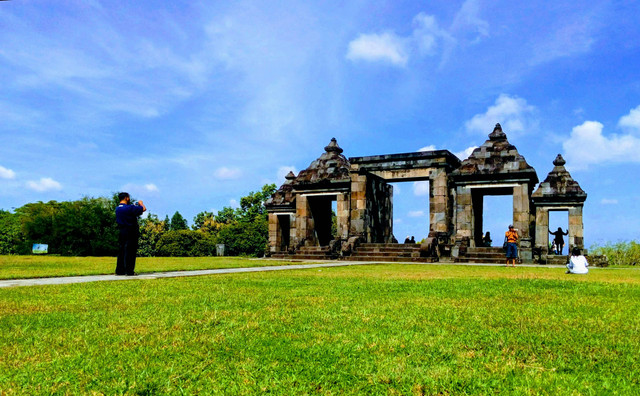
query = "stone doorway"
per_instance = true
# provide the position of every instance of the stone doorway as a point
(559, 218)
(478, 199)
(322, 208)
(411, 210)
(497, 214)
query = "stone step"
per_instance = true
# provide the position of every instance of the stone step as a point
(493, 249)
(389, 245)
(387, 254)
(393, 251)
(390, 259)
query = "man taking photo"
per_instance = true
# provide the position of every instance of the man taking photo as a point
(127, 219)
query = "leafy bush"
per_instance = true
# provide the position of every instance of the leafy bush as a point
(244, 238)
(620, 253)
(185, 243)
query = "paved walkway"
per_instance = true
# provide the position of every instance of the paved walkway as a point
(175, 274)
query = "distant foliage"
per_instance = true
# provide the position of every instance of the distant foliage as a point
(11, 238)
(186, 243)
(87, 227)
(178, 222)
(151, 229)
(620, 253)
(74, 228)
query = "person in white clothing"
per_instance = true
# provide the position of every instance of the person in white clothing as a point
(577, 263)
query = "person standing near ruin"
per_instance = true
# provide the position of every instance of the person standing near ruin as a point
(127, 219)
(511, 239)
(486, 240)
(558, 239)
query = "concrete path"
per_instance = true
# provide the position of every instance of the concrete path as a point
(175, 274)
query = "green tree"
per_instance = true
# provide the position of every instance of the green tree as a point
(84, 227)
(178, 222)
(245, 238)
(186, 243)
(226, 216)
(11, 238)
(252, 206)
(151, 230)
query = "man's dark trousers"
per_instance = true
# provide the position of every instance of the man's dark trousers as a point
(128, 241)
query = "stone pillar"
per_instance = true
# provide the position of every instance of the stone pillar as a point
(576, 228)
(274, 233)
(358, 205)
(439, 210)
(521, 210)
(463, 213)
(343, 215)
(542, 229)
(522, 220)
(304, 222)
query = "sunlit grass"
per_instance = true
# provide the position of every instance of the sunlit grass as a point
(13, 267)
(380, 329)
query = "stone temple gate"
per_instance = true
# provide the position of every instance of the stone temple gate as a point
(301, 212)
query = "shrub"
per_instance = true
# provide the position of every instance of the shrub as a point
(620, 253)
(185, 243)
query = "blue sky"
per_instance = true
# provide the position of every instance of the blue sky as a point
(191, 105)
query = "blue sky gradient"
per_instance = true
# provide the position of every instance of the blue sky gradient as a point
(191, 105)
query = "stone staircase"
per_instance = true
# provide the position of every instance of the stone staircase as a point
(388, 252)
(553, 259)
(487, 255)
(306, 253)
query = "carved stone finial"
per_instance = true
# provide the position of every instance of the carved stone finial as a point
(333, 147)
(559, 161)
(290, 176)
(497, 133)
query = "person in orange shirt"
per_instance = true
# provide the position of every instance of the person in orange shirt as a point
(511, 238)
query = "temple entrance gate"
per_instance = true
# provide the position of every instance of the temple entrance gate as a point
(300, 212)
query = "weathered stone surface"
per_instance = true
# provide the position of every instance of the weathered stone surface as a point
(559, 186)
(496, 159)
(283, 197)
(330, 168)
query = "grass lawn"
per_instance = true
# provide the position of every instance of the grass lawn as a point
(378, 329)
(15, 267)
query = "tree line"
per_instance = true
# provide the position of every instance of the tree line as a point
(87, 227)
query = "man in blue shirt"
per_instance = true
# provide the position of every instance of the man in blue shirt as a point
(127, 219)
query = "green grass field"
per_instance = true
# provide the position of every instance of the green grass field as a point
(15, 267)
(377, 329)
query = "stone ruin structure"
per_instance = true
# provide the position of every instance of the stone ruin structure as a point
(300, 212)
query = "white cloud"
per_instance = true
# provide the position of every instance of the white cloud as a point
(587, 145)
(464, 154)
(386, 47)
(416, 213)
(234, 203)
(151, 187)
(606, 201)
(574, 37)
(427, 34)
(44, 184)
(426, 39)
(467, 20)
(6, 173)
(513, 113)
(421, 188)
(430, 147)
(137, 189)
(283, 171)
(225, 173)
(631, 120)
